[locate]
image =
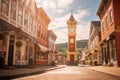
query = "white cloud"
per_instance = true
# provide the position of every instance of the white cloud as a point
(59, 26)
(52, 5)
(82, 13)
(64, 3)
(58, 23)
(60, 10)
(45, 4)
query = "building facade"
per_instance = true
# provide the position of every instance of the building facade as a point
(94, 39)
(72, 54)
(18, 29)
(51, 41)
(23, 32)
(42, 37)
(108, 12)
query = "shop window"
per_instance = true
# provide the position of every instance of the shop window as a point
(13, 9)
(114, 50)
(5, 7)
(18, 54)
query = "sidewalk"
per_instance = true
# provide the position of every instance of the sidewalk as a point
(110, 70)
(26, 71)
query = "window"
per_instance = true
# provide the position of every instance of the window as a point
(106, 20)
(102, 26)
(30, 23)
(41, 34)
(39, 30)
(33, 27)
(20, 14)
(5, 7)
(71, 40)
(13, 9)
(111, 17)
(114, 50)
(26, 20)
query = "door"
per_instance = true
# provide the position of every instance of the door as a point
(11, 50)
(72, 58)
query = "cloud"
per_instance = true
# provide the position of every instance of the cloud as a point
(60, 11)
(56, 9)
(83, 30)
(64, 3)
(59, 26)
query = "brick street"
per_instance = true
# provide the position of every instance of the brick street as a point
(71, 73)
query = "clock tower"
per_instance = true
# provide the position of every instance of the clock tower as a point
(71, 54)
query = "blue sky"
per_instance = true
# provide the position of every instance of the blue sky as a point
(59, 12)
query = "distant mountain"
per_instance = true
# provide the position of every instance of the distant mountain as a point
(81, 43)
(63, 47)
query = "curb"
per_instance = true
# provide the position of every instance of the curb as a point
(110, 73)
(9, 77)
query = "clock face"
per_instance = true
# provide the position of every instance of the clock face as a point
(72, 30)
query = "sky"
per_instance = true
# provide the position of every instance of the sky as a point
(59, 11)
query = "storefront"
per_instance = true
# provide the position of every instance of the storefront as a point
(18, 46)
(109, 51)
(42, 55)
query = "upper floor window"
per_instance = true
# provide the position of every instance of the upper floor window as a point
(20, 14)
(111, 16)
(30, 23)
(39, 31)
(13, 9)
(5, 7)
(26, 19)
(106, 20)
(102, 26)
(34, 26)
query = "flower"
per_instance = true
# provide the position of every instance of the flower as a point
(19, 43)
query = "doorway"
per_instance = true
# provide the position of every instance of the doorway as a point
(71, 58)
(11, 50)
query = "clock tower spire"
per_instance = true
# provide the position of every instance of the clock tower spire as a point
(71, 54)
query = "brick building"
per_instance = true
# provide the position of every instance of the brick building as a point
(42, 37)
(23, 32)
(109, 13)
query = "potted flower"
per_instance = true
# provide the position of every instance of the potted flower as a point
(95, 50)
(19, 44)
(95, 62)
(101, 44)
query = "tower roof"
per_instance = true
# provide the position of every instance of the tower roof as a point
(72, 18)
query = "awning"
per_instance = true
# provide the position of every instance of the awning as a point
(43, 48)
